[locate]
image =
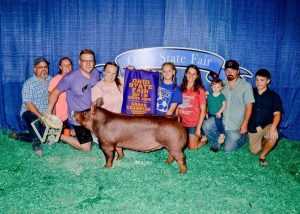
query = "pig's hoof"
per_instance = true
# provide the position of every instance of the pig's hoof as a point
(120, 157)
(183, 171)
(107, 166)
(169, 161)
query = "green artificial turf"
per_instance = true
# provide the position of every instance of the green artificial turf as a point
(69, 181)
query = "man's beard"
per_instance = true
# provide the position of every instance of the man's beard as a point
(43, 75)
(230, 77)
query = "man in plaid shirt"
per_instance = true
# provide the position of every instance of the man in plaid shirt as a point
(35, 101)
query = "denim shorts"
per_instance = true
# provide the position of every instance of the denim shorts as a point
(191, 130)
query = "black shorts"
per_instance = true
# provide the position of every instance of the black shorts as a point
(83, 134)
(66, 124)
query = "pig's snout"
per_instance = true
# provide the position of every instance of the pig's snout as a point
(75, 115)
(81, 116)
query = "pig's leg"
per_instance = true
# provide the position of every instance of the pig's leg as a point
(109, 156)
(180, 158)
(170, 158)
(120, 153)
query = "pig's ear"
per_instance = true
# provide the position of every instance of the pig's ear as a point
(93, 108)
(99, 102)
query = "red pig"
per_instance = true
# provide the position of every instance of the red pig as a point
(136, 132)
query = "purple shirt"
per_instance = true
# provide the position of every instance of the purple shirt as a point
(78, 89)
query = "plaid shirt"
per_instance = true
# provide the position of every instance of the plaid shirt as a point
(36, 92)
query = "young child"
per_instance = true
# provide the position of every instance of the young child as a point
(216, 104)
(169, 94)
(193, 109)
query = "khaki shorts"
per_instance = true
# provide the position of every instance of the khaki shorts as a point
(255, 139)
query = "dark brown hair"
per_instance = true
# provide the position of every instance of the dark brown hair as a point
(198, 82)
(60, 61)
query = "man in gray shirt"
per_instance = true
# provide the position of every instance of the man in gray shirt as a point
(239, 98)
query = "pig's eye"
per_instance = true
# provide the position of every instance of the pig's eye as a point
(85, 114)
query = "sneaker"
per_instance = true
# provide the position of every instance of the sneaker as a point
(51, 140)
(39, 153)
(213, 149)
(12, 135)
(221, 139)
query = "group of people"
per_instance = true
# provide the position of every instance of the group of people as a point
(222, 117)
(256, 111)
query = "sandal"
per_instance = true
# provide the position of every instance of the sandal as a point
(204, 138)
(263, 162)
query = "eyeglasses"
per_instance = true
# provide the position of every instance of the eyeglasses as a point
(42, 67)
(87, 61)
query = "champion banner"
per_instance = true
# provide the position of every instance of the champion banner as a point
(140, 92)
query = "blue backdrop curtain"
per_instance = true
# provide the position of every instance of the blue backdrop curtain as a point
(256, 33)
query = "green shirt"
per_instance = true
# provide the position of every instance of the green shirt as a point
(214, 104)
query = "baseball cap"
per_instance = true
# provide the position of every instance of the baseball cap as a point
(232, 64)
(39, 60)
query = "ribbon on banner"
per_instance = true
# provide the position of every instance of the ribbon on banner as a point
(140, 92)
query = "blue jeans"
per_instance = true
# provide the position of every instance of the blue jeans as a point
(233, 138)
(219, 123)
(27, 118)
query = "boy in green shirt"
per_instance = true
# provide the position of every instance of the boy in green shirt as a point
(216, 104)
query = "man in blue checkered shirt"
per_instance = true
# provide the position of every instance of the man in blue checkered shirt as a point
(35, 101)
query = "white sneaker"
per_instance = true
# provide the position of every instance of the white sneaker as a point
(221, 139)
(51, 140)
(39, 153)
